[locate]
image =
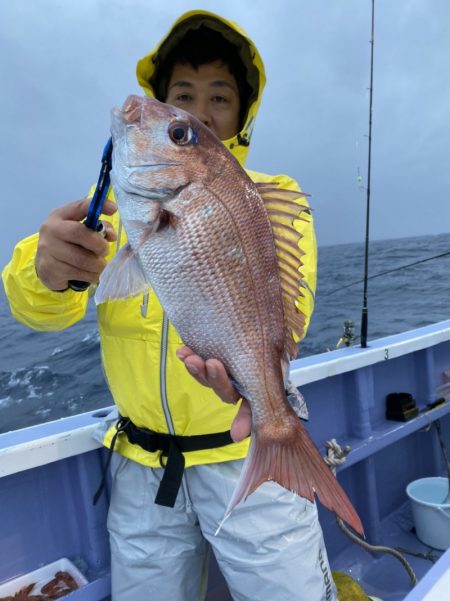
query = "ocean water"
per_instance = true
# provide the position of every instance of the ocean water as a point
(45, 376)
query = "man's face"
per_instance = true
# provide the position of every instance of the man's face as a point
(210, 93)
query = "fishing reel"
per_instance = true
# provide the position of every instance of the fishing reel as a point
(348, 335)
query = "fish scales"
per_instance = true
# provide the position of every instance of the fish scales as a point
(199, 234)
(222, 256)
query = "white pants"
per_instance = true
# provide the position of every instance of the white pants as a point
(270, 548)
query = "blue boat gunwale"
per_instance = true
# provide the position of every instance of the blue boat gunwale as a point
(50, 441)
(324, 365)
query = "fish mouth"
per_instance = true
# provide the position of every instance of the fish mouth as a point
(139, 189)
(156, 194)
(152, 166)
(131, 180)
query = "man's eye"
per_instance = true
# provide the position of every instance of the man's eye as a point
(219, 99)
(183, 98)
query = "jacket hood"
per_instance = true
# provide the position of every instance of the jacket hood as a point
(256, 78)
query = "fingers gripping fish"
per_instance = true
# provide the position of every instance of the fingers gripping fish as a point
(198, 228)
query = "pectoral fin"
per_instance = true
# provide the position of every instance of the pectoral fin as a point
(123, 277)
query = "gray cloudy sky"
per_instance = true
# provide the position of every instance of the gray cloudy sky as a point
(65, 64)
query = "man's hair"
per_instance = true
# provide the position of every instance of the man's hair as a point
(200, 47)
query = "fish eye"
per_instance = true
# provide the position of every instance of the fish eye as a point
(181, 133)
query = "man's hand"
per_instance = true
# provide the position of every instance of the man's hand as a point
(212, 373)
(68, 250)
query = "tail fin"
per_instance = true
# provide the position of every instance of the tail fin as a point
(296, 464)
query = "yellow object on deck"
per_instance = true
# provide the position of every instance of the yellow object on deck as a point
(348, 589)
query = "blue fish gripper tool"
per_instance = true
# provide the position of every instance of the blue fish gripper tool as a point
(92, 220)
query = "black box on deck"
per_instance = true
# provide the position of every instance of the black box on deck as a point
(401, 406)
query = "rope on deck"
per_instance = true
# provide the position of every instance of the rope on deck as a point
(336, 455)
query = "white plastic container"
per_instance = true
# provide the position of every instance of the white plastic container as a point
(41, 577)
(431, 515)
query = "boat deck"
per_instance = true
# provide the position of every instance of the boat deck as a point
(381, 574)
(48, 473)
(435, 585)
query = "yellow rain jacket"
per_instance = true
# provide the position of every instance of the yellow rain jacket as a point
(150, 385)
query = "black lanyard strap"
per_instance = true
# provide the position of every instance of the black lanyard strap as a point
(172, 447)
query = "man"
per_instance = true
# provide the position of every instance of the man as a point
(271, 547)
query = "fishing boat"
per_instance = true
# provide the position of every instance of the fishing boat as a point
(49, 473)
(379, 412)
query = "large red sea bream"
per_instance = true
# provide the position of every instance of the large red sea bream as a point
(222, 256)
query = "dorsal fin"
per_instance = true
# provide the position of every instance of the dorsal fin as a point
(284, 207)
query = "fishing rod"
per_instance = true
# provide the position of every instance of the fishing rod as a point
(364, 312)
(387, 271)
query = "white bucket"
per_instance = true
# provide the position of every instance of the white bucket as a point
(431, 515)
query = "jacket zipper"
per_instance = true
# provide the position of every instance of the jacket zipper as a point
(162, 374)
(164, 400)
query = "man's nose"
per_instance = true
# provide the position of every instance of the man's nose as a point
(202, 112)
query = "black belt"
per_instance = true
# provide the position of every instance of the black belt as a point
(172, 447)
